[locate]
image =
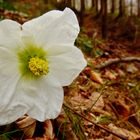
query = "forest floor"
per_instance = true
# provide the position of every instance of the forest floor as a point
(103, 103)
(107, 92)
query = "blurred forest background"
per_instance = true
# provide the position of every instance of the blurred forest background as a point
(103, 103)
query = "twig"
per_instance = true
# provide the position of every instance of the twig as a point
(106, 129)
(116, 60)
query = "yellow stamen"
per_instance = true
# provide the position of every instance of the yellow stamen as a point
(38, 66)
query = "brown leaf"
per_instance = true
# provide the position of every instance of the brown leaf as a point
(48, 135)
(27, 124)
(121, 131)
(48, 130)
(120, 72)
(131, 68)
(110, 75)
(94, 76)
(121, 108)
(97, 98)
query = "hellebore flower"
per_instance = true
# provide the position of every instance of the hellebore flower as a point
(37, 59)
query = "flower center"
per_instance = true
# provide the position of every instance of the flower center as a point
(38, 66)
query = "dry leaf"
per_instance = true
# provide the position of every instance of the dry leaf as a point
(48, 135)
(28, 125)
(121, 131)
(48, 130)
(120, 72)
(112, 137)
(110, 75)
(94, 76)
(131, 68)
(98, 98)
(121, 108)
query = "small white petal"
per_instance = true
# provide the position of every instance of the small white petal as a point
(66, 66)
(10, 33)
(43, 96)
(54, 27)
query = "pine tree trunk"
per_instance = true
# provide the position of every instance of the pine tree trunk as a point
(68, 3)
(82, 12)
(138, 8)
(96, 4)
(131, 7)
(73, 1)
(104, 18)
(82, 5)
(113, 6)
(99, 12)
(121, 8)
(93, 3)
(46, 1)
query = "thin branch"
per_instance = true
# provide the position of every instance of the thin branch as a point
(104, 128)
(116, 60)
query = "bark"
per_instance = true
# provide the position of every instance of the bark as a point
(82, 12)
(46, 1)
(113, 6)
(99, 12)
(73, 1)
(104, 18)
(82, 5)
(96, 5)
(121, 8)
(93, 3)
(131, 7)
(138, 8)
(68, 3)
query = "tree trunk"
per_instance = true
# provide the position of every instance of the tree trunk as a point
(93, 3)
(113, 6)
(52, 1)
(82, 5)
(138, 8)
(82, 12)
(68, 3)
(46, 1)
(131, 7)
(121, 8)
(65, 3)
(73, 3)
(99, 12)
(96, 5)
(104, 18)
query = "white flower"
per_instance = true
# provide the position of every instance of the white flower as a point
(37, 59)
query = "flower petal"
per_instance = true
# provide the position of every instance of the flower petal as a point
(43, 96)
(10, 33)
(10, 115)
(9, 73)
(66, 66)
(54, 27)
(8, 62)
(8, 111)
